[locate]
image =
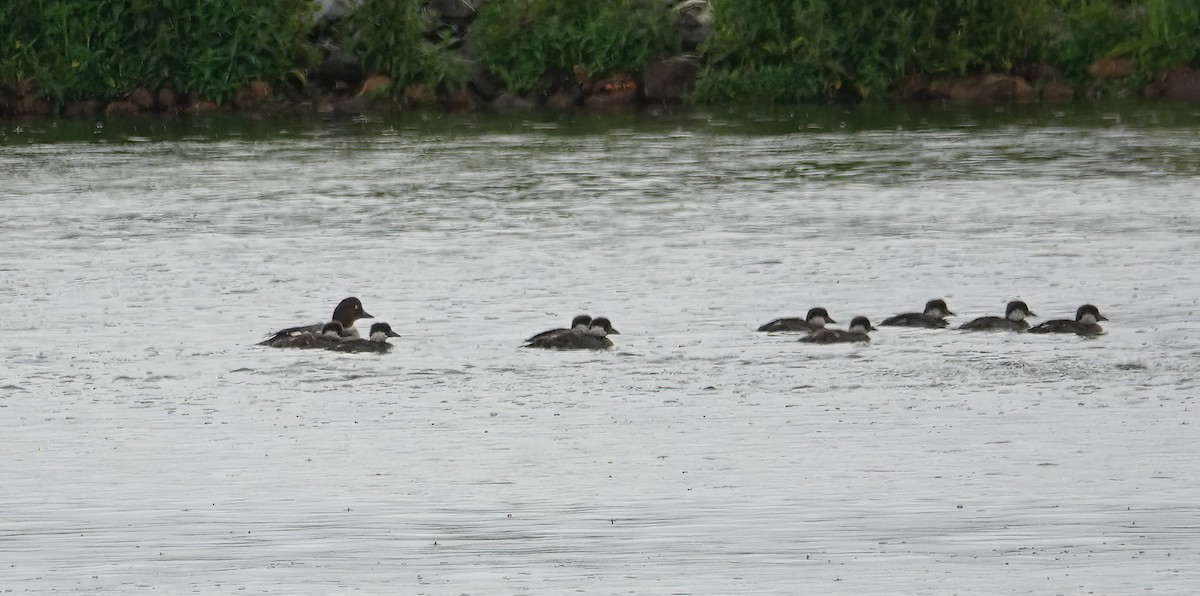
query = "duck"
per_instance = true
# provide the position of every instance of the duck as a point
(857, 332)
(331, 333)
(595, 337)
(1085, 323)
(346, 313)
(815, 319)
(377, 341)
(1013, 320)
(579, 323)
(934, 317)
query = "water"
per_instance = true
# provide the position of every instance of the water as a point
(148, 445)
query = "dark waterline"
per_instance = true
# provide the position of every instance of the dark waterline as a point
(729, 120)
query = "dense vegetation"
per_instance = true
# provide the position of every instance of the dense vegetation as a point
(392, 37)
(778, 51)
(76, 49)
(810, 49)
(517, 40)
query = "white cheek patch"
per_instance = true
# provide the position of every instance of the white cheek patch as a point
(1017, 316)
(819, 321)
(1088, 319)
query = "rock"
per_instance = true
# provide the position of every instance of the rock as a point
(1180, 84)
(339, 70)
(453, 9)
(121, 108)
(692, 21)
(461, 99)
(1057, 91)
(167, 99)
(669, 80)
(556, 81)
(85, 107)
(351, 106)
(511, 102)
(203, 106)
(583, 78)
(484, 83)
(375, 84)
(1049, 83)
(24, 87)
(419, 94)
(618, 90)
(333, 10)
(142, 98)
(911, 87)
(34, 105)
(983, 88)
(1111, 68)
(254, 95)
(562, 101)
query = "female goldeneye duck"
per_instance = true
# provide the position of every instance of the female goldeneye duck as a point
(580, 323)
(377, 341)
(1014, 319)
(592, 338)
(934, 317)
(346, 313)
(1086, 323)
(815, 319)
(859, 327)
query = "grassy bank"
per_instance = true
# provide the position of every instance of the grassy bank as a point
(785, 51)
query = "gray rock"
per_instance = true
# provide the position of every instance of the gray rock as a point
(454, 9)
(484, 83)
(692, 21)
(339, 70)
(511, 102)
(332, 10)
(669, 80)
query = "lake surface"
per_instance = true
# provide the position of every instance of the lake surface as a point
(149, 445)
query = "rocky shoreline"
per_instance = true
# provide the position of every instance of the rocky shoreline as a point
(338, 85)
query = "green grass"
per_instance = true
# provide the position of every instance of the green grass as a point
(519, 40)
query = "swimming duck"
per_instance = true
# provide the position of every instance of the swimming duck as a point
(815, 319)
(377, 341)
(1085, 323)
(934, 317)
(595, 337)
(346, 313)
(331, 333)
(1014, 319)
(859, 327)
(579, 323)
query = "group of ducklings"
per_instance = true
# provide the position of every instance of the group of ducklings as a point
(586, 333)
(1086, 323)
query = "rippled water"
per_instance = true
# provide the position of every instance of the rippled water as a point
(149, 445)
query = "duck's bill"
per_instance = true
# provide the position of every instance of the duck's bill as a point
(614, 332)
(366, 315)
(391, 333)
(1101, 318)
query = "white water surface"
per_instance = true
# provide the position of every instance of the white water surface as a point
(147, 445)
